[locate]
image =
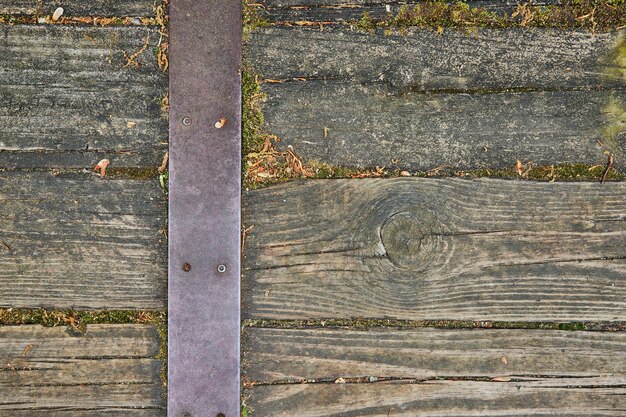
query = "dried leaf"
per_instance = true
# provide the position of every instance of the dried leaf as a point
(102, 167)
(163, 166)
(504, 360)
(519, 167)
(130, 125)
(340, 381)
(27, 349)
(405, 174)
(501, 379)
(57, 14)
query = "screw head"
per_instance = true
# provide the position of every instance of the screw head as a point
(221, 268)
(186, 267)
(187, 121)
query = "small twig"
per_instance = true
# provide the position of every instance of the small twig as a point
(163, 166)
(609, 165)
(131, 59)
(6, 245)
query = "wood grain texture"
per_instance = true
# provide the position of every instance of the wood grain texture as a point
(117, 8)
(455, 249)
(424, 61)
(69, 90)
(364, 126)
(531, 397)
(272, 355)
(111, 370)
(81, 241)
(465, 101)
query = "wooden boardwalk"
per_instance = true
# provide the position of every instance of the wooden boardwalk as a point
(449, 285)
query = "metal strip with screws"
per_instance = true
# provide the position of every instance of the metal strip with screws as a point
(204, 208)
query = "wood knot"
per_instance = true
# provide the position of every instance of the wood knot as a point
(412, 239)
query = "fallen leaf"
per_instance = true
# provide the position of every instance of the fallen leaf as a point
(221, 123)
(519, 167)
(504, 360)
(340, 381)
(57, 14)
(102, 167)
(501, 379)
(405, 174)
(130, 125)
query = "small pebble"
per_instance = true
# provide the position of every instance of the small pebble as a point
(57, 14)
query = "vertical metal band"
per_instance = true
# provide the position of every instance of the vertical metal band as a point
(204, 208)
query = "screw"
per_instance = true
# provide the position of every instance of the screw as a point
(186, 267)
(221, 269)
(187, 121)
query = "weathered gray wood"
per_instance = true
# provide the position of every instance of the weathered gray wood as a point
(272, 355)
(334, 11)
(81, 241)
(70, 90)
(571, 397)
(364, 126)
(111, 370)
(425, 100)
(100, 8)
(423, 60)
(411, 248)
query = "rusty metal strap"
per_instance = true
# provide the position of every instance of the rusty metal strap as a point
(204, 208)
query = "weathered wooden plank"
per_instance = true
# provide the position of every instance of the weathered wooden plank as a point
(364, 126)
(100, 8)
(81, 241)
(412, 248)
(424, 100)
(272, 355)
(599, 396)
(72, 89)
(423, 60)
(110, 370)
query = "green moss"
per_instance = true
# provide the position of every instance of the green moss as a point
(252, 117)
(245, 409)
(164, 180)
(251, 19)
(615, 116)
(448, 324)
(51, 318)
(134, 173)
(594, 15)
(565, 172)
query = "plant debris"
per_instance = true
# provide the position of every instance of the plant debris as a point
(102, 167)
(609, 166)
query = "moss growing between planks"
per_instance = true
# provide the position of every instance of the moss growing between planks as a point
(594, 15)
(251, 18)
(364, 324)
